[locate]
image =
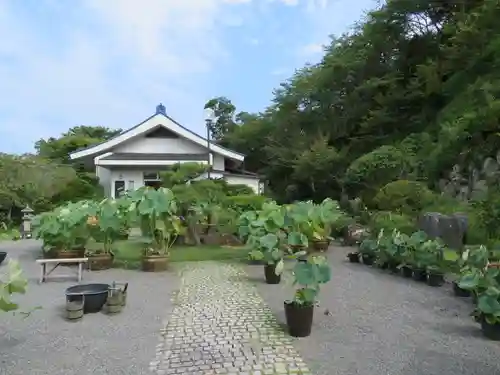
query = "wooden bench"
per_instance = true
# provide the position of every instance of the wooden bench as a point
(58, 262)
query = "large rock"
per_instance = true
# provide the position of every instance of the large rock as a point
(355, 234)
(451, 229)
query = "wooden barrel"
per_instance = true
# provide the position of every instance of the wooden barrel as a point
(114, 303)
(74, 309)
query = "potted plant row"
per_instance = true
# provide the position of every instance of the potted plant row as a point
(413, 256)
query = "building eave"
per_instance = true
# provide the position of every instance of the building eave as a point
(150, 123)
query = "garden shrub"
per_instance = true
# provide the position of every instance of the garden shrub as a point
(484, 216)
(238, 189)
(389, 220)
(370, 171)
(340, 226)
(446, 205)
(248, 202)
(404, 196)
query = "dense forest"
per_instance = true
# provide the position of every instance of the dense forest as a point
(410, 93)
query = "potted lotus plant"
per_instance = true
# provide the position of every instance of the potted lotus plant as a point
(434, 260)
(412, 244)
(106, 228)
(472, 263)
(64, 230)
(308, 277)
(272, 255)
(486, 284)
(156, 210)
(322, 218)
(367, 250)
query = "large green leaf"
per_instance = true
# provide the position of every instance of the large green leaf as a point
(269, 241)
(469, 281)
(488, 305)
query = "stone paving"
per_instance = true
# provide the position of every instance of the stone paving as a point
(220, 325)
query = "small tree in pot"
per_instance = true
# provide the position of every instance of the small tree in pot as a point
(309, 275)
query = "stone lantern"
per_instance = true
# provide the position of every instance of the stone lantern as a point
(26, 225)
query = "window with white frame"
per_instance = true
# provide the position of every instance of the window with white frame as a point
(151, 176)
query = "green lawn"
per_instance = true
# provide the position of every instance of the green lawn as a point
(128, 253)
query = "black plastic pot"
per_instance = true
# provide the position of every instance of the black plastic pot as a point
(435, 279)
(353, 257)
(302, 259)
(95, 296)
(491, 331)
(384, 266)
(3, 255)
(393, 267)
(255, 262)
(368, 259)
(270, 273)
(419, 275)
(459, 292)
(299, 319)
(406, 271)
(474, 298)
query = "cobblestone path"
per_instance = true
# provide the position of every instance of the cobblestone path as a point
(220, 325)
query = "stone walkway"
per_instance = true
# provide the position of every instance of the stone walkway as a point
(220, 325)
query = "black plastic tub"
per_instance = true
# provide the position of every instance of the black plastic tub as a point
(3, 255)
(95, 296)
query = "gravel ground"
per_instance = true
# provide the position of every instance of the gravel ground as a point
(381, 324)
(45, 344)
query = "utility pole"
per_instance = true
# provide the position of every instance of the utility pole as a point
(208, 123)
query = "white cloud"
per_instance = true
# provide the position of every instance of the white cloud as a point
(280, 71)
(290, 2)
(115, 61)
(330, 17)
(311, 49)
(110, 62)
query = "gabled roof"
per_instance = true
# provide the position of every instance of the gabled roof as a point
(136, 156)
(160, 118)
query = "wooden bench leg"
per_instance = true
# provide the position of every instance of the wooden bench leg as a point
(80, 267)
(42, 274)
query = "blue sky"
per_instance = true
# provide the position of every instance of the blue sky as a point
(110, 62)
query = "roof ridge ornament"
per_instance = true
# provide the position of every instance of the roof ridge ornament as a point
(161, 110)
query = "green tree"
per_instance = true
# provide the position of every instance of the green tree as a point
(416, 83)
(78, 137)
(222, 118)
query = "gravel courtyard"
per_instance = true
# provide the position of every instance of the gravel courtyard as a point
(45, 344)
(381, 324)
(217, 318)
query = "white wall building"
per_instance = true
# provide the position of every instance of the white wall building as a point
(135, 157)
